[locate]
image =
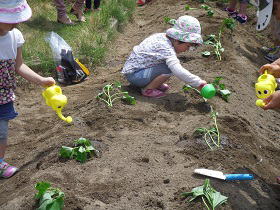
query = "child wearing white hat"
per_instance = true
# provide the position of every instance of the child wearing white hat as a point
(12, 12)
(154, 60)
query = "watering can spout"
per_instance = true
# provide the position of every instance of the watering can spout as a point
(66, 119)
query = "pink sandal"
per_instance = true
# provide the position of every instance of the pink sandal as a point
(6, 170)
(153, 93)
(164, 87)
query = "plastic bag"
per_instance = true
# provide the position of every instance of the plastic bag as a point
(68, 71)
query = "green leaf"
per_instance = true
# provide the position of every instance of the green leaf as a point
(204, 6)
(118, 84)
(201, 130)
(166, 19)
(208, 42)
(82, 142)
(186, 88)
(206, 54)
(217, 199)
(129, 99)
(66, 152)
(42, 188)
(108, 87)
(229, 23)
(210, 13)
(187, 7)
(81, 155)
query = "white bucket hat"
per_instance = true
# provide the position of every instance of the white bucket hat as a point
(14, 11)
(186, 29)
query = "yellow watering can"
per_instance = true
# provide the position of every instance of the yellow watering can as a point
(55, 99)
(265, 86)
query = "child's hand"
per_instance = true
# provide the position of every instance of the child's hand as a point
(273, 69)
(47, 81)
(203, 83)
(273, 101)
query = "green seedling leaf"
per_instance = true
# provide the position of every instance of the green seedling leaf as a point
(108, 87)
(129, 99)
(210, 13)
(66, 152)
(49, 198)
(81, 154)
(208, 42)
(169, 20)
(187, 7)
(201, 130)
(206, 54)
(196, 192)
(42, 188)
(186, 88)
(82, 142)
(229, 23)
(222, 49)
(204, 6)
(99, 95)
(118, 84)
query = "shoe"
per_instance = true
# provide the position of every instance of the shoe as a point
(6, 170)
(153, 93)
(78, 14)
(140, 2)
(86, 10)
(164, 87)
(273, 56)
(241, 18)
(65, 20)
(231, 12)
(267, 50)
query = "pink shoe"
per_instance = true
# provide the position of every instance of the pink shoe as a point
(140, 2)
(164, 87)
(153, 93)
(6, 170)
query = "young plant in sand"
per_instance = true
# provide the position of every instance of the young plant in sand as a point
(49, 198)
(210, 197)
(211, 135)
(169, 20)
(188, 7)
(112, 92)
(221, 88)
(82, 150)
(208, 9)
(215, 41)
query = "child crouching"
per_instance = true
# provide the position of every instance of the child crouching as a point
(154, 60)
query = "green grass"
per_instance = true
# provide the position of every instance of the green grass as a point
(89, 41)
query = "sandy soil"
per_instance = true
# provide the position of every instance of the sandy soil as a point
(149, 150)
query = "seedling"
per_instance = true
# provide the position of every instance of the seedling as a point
(210, 13)
(112, 92)
(211, 134)
(215, 42)
(188, 7)
(229, 23)
(49, 198)
(207, 193)
(166, 19)
(221, 88)
(81, 151)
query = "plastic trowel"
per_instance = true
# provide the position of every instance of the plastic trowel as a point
(220, 175)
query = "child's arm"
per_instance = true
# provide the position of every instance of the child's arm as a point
(28, 74)
(179, 71)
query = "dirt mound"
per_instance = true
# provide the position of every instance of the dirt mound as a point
(149, 150)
